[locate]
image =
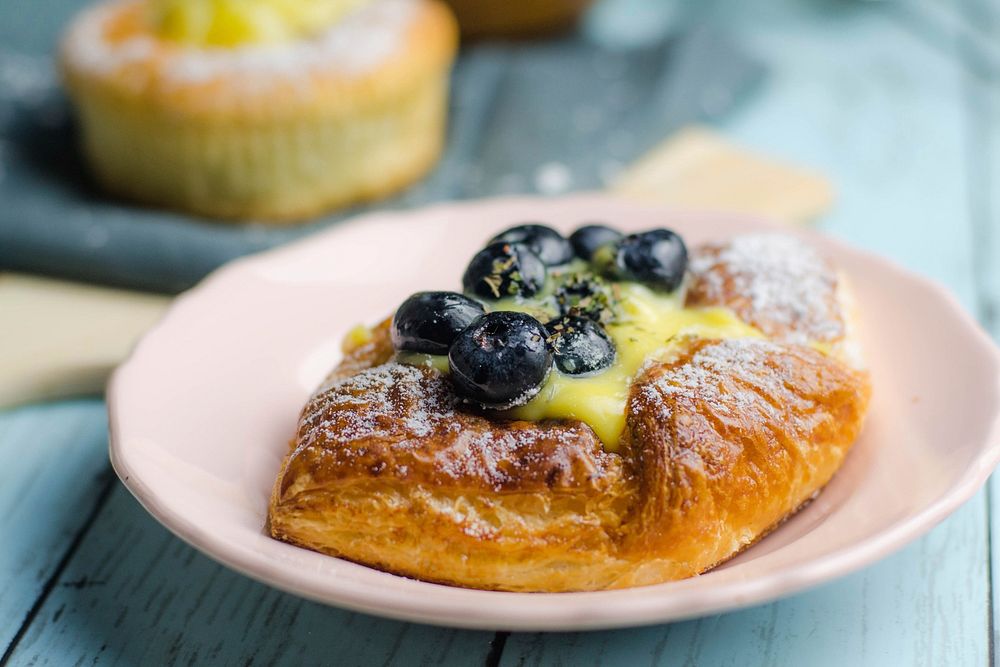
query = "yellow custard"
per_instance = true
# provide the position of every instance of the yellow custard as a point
(356, 337)
(228, 23)
(436, 361)
(648, 325)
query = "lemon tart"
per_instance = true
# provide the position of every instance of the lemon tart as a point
(272, 110)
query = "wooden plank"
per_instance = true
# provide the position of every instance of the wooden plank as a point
(945, 24)
(53, 468)
(902, 611)
(983, 148)
(859, 97)
(856, 96)
(134, 594)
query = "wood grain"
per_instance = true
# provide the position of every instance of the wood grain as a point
(53, 468)
(923, 606)
(982, 143)
(134, 594)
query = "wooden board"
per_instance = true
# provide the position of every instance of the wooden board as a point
(134, 594)
(982, 61)
(53, 477)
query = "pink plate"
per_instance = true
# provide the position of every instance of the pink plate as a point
(202, 413)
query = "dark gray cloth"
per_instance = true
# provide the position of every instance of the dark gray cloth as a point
(525, 117)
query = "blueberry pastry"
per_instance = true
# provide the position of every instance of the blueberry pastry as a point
(596, 412)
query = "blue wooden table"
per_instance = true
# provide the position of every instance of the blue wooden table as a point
(899, 104)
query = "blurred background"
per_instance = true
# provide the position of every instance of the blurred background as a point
(877, 97)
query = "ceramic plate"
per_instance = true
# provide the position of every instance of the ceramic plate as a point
(202, 413)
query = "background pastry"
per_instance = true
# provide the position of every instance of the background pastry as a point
(266, 109)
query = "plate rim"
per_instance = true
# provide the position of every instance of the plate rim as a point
(646, 610)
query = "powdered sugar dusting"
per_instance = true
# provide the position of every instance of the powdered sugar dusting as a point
(392, 401)
(728, 375)
(402, 420)
(505, 457)
(778, 283)
(355, 45)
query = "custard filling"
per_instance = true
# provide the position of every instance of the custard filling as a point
(647, 326)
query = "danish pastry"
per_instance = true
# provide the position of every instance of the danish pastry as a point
(275, 110)
(596, 412)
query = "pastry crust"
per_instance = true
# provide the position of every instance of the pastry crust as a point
(276, 133)
(725, 439)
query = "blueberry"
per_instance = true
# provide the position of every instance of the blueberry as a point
(587, 239)
(657, 258)
(504, 269)
(586, 295)
(580, 345)
(500, 360)
(547, 243)
(429, 321)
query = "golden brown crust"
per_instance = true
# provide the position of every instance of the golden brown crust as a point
(403, 422)
(730, 437)
(774, 282)
(725, 440)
